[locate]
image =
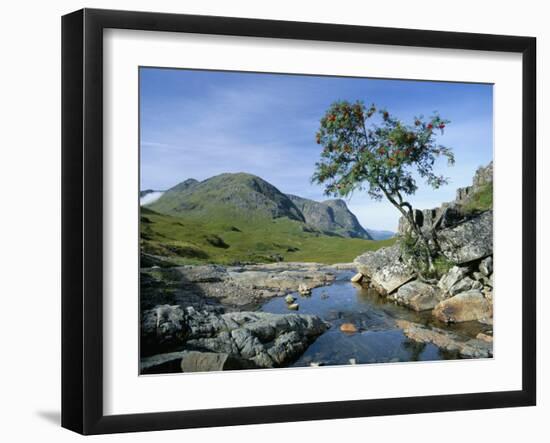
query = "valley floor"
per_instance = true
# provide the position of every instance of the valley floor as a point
(213, 317)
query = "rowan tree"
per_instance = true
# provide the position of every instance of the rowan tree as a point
(370, 149)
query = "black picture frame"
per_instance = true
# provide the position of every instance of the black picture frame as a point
(82, 218)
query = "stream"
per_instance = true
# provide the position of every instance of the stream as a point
(377, 340)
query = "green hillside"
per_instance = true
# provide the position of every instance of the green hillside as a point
(216, 238)
(227, 196)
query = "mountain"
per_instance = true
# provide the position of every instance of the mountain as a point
(149, 196)
(246, 196)
(380, 234)
(240, 195)
(330, 216)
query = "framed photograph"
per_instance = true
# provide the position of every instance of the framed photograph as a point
(269, 221)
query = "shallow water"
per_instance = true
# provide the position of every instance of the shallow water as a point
(377, 340)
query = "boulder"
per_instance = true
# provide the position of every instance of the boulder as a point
(260, 338)
(193, 361)
(357, 278)
(417, 295)
(385, 268)
(464, 285)
(466, 306)
(293, 306)
(451, 278)
(449, 341)
(163, 326)
(486, 266)
(289, 299)
(468, 241)
(156, 364)
(267, 340)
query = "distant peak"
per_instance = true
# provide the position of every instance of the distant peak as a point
(186, 184)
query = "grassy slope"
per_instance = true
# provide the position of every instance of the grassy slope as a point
(193, 241)
(481, 200)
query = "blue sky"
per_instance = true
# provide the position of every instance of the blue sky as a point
(196, 124)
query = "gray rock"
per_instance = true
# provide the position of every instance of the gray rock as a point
(417, 295)
(164, 325)
(449, 341)
(482, 177)
(468, 241)
(160, 362)
(267, 340)
(385, 268)
(332, 216)
(285, 279)
(464, 285)
(194, 361)
(486, 266)
(447, 215)
(451, 278)
(289, 299)
(478, 276)
(466, 306)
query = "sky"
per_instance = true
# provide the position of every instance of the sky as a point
(197, 124)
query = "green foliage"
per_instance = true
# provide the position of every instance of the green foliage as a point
(480, 201)
(416, 254)
(371, 149)
(442, 265)
(190, 241)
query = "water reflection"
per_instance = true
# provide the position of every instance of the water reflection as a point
(377, 340)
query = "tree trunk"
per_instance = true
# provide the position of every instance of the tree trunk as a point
(420, 236)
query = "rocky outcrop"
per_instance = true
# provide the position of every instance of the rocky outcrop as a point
(446, 340)
(483, 176)
(256, 339)
(235, 287)
(330, 216)
(465, 306)
(385, 268)
(468, 241)
(464, 238)
(448, 214)
(417, 295)
(192, 361)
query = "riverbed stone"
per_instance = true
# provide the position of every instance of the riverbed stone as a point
(348, 328)
(267, 340)
(289, 299)
(385, 268)
(466, 306)
(417, 295)
(357, 278)
(449, 341)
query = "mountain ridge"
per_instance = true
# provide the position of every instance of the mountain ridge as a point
(243, 195)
